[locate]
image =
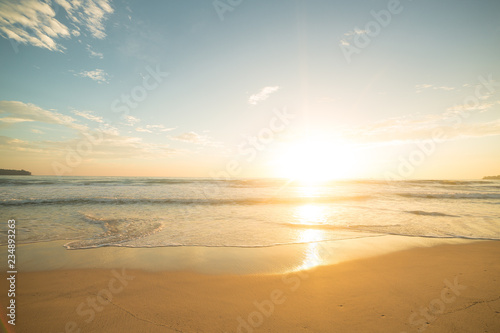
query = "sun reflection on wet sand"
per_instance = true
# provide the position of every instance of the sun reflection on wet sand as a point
(311, 214)
(312, 255)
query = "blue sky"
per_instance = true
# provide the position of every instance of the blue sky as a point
(371, 79)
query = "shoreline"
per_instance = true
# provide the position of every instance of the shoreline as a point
(439, 288)
(48, 256)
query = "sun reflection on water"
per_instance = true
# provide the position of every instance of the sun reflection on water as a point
(310, 214)
(312, 255)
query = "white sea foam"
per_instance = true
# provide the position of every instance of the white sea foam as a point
(92, 212)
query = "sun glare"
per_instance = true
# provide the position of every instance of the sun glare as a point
(313, 161)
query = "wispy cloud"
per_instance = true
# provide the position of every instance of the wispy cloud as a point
(347, 38)
(112, 146)
(262, 95)
(145, 130)
(481, 107)
(421, 87)
(97, 75)
(30, 112)
(88, 115)
(195, 138)
(421, 127)
(94, 53)
(161, 128)
(191, 137)
(33, 21)
(157, 129)
(90, 13)
(13, 120)
(131, 120)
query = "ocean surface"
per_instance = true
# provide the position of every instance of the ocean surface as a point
(89, 212)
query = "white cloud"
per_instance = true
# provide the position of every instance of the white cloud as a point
(262, 95)
(12, 120)
(90, 13)
(155, 126)
(356, 31)
(131, 120)
(94, 53)
(140, 129)
(344, 42)
(192, 137)
(30, 112)
(97, 75)
(109, 130)
(158, 128)
(112, 145)
(421, 87)
(88, 115)
(482, 107)
(421, 127)
(33, 21)
(349, 36)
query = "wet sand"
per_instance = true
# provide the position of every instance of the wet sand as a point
(444, 288)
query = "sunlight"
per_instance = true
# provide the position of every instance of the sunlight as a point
(312, 257)
(313, 161)
(311, 214)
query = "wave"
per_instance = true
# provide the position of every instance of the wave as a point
(116, 231)
(421, 212)
(237, 182)
(448, 182)
(175, 201)
(395, 230)
(469, 195)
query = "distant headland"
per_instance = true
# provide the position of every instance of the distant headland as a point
(6, 172)
(491, 177)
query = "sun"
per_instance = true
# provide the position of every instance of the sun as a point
(316, 160)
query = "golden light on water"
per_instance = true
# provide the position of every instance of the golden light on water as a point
(312, 257)
(310, 214)
(309, 191)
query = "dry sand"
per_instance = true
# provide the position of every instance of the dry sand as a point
(447, 288)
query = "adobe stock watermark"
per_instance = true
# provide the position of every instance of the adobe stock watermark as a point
(76, 154)
(426, 315)
(361, 38)
(264, 309)
(250, 148)
(223, 6)
(426, 148)
(139, 93)
(87, 310)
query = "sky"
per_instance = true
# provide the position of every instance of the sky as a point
(237, 88)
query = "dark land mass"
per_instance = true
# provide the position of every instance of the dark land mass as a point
(6, 172)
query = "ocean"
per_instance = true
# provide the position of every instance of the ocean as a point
(90, 212)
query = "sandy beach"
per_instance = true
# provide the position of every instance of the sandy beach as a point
(445, 288)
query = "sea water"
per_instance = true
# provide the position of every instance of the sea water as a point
(90, 212)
